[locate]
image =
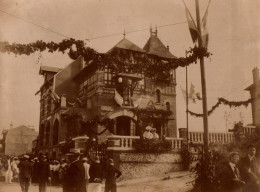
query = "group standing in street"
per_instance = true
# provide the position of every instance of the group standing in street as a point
(241, 175)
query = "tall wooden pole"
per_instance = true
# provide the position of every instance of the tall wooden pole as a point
(203, 84)
(187, 106)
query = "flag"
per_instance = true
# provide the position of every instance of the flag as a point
(198, 96)
(184, 93)
(192, 94)
(118, 98)
(204, 30)
(192, 26)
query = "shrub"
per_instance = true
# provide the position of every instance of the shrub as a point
(152, 145)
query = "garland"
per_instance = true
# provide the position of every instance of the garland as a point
(107, 123)
(160, 68)
(225, 102)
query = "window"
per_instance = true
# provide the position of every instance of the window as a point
(108, 74)
(158, 96)
(168, 107)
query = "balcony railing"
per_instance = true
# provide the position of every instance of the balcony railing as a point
(121, 143)
(176, 143)
(197, 137)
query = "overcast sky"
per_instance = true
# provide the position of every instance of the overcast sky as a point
(233, 27)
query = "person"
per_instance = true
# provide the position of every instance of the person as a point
(111, 175)
(56, 168)
(155, 135)
(250, 172)
(63, 170)
(147, 134)
(230, 175)
(43, 173)
(96, 176)
(15, 169)
(87, 166)
(35, 170)
(75, 177)
(9, 172)
(25, 173)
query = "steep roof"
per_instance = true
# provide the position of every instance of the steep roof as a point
(154, 46)
(48, 69)
(252, 86)
(126, 44)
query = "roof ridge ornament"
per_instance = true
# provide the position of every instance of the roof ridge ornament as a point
(153, 33)
(124, 34)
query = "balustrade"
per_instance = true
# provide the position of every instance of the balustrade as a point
(120, 142)
(176, 143)
(197, 137)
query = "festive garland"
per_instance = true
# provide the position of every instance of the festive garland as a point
(107, 123)
(160, 68)
(225, 102)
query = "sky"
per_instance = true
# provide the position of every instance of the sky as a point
(234, 41)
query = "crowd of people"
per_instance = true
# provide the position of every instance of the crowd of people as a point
(76, 173)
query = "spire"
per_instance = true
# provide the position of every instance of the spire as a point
(124, 34)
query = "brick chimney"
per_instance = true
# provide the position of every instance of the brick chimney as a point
(255, 75)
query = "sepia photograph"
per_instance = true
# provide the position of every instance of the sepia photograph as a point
(129, 96)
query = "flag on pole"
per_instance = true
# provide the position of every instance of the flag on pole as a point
(192, 26)
(192, 95)
(184, 93)
(204, 30)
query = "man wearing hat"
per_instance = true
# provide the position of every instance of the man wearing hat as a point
(230, 177)
(75, 178)
(96, 176)
(111, 175)
(250, 172)
(43, 173)
(25, 173)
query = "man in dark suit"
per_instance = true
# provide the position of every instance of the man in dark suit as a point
(230, 175)
(75, 178)
(43, 173)
(250, 172)
(25, 174)
(111, 175)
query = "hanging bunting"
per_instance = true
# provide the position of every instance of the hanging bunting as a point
(160, 69)
(225, 102)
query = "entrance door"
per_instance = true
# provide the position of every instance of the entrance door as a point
(123, 125)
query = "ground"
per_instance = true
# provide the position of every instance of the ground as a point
(172, 182)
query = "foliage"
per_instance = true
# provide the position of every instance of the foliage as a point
(186, 156)
(206, 179)
(151, 145)
(225, 102)
(160, 69)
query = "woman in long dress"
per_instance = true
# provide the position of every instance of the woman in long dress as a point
(9, 172)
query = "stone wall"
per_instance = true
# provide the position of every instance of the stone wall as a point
(138, 165)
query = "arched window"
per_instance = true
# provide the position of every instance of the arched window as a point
(55, 135)
(47, 134)
(158, 96)
(168, 107)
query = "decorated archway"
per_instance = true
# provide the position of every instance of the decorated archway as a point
(125, 122)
